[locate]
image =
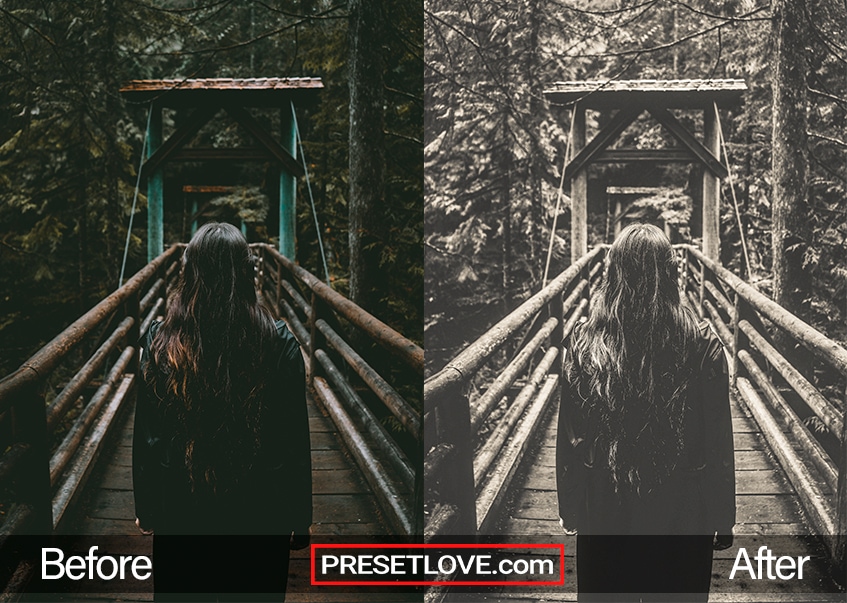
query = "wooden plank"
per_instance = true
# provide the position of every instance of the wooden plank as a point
(748, 441)
(747, 460)
(117, 477)
(329, 459)
(347, 508)
(535, 504)
(767, 508)
(337, 481)
(761, 482)
(323, 440)
(744, 425)
(772, 529)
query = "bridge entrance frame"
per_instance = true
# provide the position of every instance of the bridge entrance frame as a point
(631, 98)
(208, 97)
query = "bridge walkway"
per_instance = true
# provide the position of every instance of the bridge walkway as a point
(766, 506)
(343, 505)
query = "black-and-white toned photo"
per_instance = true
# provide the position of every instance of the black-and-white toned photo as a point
(636, 292)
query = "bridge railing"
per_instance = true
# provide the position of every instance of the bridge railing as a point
(799, 405)
(360, 400)
(518, 360)
(93, 363)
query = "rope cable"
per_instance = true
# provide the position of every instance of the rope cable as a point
(311, 197)
(135, 196)
(558, 201)
(732, 190)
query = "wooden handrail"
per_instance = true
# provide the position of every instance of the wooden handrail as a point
(469, 485)
(404, 348)
(747, 339)
(49, 356)
(388, 467)
(111, 327)
(466, 364)
(816, 342)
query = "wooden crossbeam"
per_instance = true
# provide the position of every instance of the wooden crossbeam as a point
(603, 139)
(247, 121)
(628, 155)
(178, 139)
(681, 133)
(222, 154)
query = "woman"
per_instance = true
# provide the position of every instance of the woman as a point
(645, 470)
(221, 442)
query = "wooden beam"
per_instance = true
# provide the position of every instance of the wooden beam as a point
(711, 188)
(603, 139)
(703, 154)
(182, 135)
(258, 132)
(629, 155)
(287, 186)
(222, 154)
(155, 187)
(579, 187)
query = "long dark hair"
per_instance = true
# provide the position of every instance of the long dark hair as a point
(208, 358)
(629, 360)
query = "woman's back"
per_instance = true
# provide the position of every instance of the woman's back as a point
(644, 458)
(271, 493)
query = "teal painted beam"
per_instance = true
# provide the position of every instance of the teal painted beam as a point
(288, 188)
(194, 215)
(155, 188)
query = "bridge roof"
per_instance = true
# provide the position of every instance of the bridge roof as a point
(602, 94)
(266, 91)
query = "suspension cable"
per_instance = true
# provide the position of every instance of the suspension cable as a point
(311, 198)
(732, 190)
(558, 201)
(135, 196)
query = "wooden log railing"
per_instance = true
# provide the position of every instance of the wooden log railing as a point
(465, 486)
(762, 338)
(361, 400)
(99, 352)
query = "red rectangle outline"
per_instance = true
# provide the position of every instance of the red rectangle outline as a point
(560, 582)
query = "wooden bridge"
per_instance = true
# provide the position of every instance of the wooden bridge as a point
(490, 432)
(68, 470)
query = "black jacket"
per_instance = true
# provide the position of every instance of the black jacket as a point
(699, 495)
(275, 497)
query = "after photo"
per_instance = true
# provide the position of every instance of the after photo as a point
(635, 300)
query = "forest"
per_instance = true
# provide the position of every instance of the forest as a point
(495, 147)
(70, 146)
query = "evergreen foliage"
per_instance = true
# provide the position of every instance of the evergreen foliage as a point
(494, 150)
(70, 145)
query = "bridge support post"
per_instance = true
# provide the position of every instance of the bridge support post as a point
(288, 187)
(458, 487)
(711, 187)
(579, 190)
(155, 188)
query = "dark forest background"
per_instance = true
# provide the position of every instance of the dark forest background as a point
(70, 145)
(495, 148)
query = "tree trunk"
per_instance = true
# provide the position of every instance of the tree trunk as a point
(367, 152)
(790, 206)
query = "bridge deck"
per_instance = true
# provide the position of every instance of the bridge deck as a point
(768, 512)
(343, 505)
